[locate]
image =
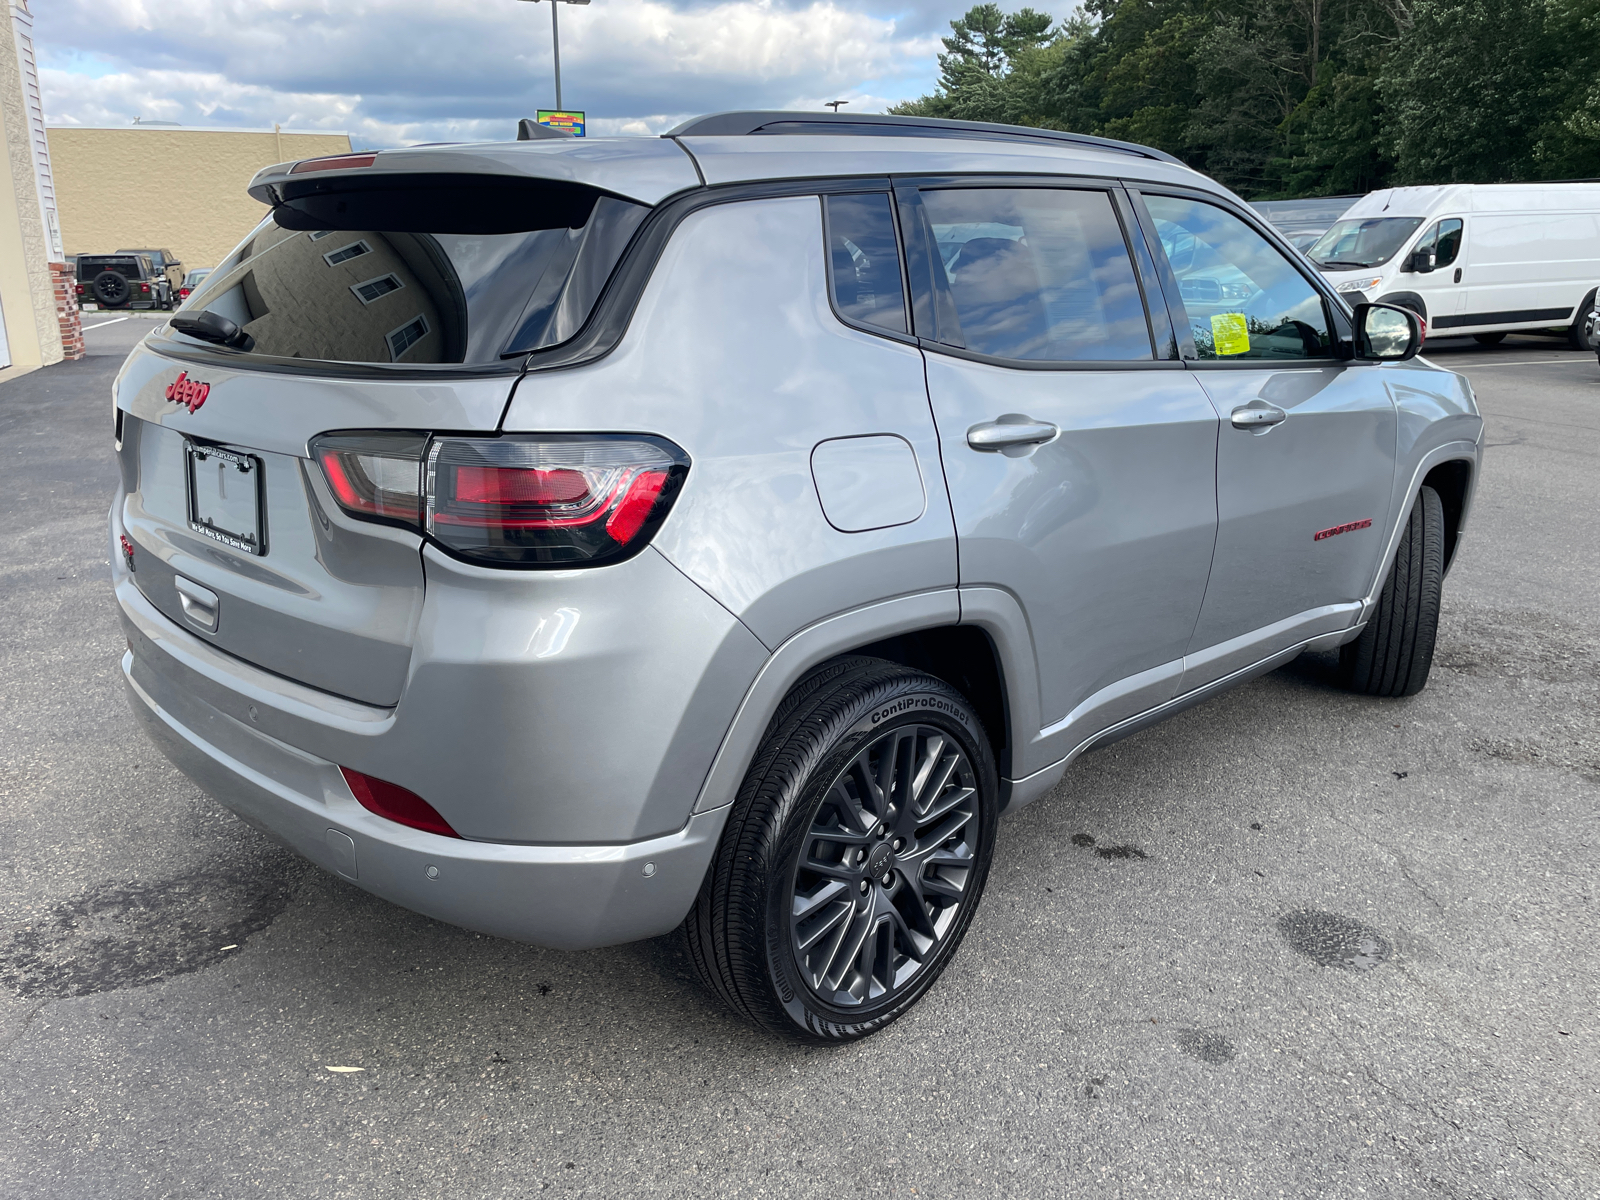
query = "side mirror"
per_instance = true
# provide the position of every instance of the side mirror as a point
(1423, 261)
(1387, 333)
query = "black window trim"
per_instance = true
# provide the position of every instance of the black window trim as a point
(887, 192)
(1334, 308)
(925, 307)
(613, 310)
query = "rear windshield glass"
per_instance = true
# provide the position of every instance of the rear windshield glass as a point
(421, 275)
(88, 268)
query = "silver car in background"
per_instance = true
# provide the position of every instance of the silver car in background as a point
(575, 540)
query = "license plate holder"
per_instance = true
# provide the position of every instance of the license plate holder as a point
(227, 497)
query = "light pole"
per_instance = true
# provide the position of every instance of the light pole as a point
(555, 41)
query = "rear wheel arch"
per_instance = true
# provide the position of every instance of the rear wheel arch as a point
(965, 657)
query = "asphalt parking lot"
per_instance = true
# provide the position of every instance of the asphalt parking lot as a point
(178, 995)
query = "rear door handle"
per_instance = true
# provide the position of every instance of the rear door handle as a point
(1010, 433)
(1258, 416)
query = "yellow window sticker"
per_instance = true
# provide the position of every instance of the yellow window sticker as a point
(1230, 334)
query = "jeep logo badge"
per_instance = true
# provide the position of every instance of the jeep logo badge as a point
(190, 393)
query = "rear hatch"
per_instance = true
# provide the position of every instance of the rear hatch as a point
(402, 304)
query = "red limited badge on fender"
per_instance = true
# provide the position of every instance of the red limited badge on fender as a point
(191, 393)
(1338, 529)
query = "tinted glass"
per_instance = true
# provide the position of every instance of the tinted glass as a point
(1444, 239)
(1038, 274)
(88, 268)
(864, 261)
(378, 295)
(1243, 298)
(1362, 242)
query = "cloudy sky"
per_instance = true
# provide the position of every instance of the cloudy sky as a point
(393, 72)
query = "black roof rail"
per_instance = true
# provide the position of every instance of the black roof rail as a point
(883, 125)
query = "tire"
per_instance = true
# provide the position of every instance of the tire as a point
(1576, 336)
(794, 929)
(1489, 339)
(111, 290)
(1394, 653)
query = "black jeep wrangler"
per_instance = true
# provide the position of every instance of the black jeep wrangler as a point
(123, 281)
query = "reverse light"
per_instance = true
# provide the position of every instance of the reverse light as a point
(376, 477)
(395, 803)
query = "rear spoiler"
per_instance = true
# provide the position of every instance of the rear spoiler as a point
(648, 171)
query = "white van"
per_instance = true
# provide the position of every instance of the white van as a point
(1472, 259)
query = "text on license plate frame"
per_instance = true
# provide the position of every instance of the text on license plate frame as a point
(235, 516)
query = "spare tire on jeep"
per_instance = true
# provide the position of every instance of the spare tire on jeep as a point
(111, 289)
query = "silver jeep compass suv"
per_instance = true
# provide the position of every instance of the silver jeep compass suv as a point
(574, 540)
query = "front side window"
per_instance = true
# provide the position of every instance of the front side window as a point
(1037, 274)
(864, 261)
(1355, 244)
(1243, 298)
(1444, 239)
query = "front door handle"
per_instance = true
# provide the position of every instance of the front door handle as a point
(1012, 434)
(1258, 416)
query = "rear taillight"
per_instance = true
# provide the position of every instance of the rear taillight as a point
(394, 803)
(183, 292)
(144, 288)
(80, 289)
(377, 477)
(552, 500)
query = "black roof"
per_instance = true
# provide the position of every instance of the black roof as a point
(882, 125)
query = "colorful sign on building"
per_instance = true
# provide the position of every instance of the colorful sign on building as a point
(572, 122)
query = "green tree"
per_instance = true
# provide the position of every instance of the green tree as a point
(1465, 91)
(1298, 97)
(985, 49)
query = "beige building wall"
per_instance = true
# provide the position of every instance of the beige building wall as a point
(166, 187)
(27, 292)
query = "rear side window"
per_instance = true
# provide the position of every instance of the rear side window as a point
(1243, 298)
(433, 272)
(864, 261)
(1037, 274)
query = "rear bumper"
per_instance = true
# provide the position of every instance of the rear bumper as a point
(206, 710)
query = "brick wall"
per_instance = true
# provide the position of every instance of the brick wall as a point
(67, 312)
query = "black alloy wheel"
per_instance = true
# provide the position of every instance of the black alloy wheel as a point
(854, 856)
(885, 866)
(111, 289)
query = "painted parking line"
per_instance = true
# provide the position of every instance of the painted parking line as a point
(98, 324)
(1526, 362)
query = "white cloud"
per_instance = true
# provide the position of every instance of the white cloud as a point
(397, 71)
